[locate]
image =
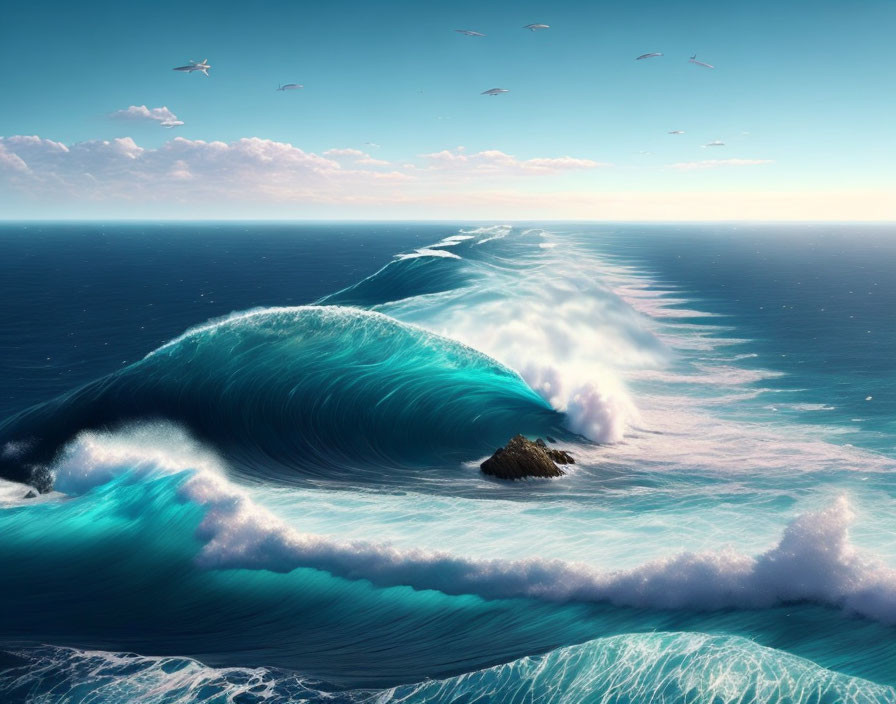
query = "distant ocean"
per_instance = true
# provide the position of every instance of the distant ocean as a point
(263, 442)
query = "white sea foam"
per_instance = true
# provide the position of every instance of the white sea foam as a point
(428, 252)
(567, 335)
(648, 668)
(813, 561)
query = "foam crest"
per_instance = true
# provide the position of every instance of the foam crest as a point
(142, 450)
(428, 252)
(570, 338)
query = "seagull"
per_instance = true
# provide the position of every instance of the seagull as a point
(716, 143)
(289, 86)
(194, 66)
(649, 56)
(494, 91)
(676, 132)
(536, 27)
(470, 32)
(693, 60)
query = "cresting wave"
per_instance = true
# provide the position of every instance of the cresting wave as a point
(814, 560)
(278, 387)
(661, 668)
(565, 333)
(320, 390)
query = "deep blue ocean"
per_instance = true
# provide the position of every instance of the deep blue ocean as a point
(259, 444)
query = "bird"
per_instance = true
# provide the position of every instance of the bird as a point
(194, 66)
(693, 60)
(715, 143)
(494, 91)
(470, 32)
(649, 56)
(676, 132)
(289, 86)
(536, 27)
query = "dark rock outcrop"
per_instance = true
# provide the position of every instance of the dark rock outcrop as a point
(31, 494)
(558, 456)
(41, 479)
(522, 458)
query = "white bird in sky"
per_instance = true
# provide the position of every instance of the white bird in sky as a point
(715, 143)
(536, 27)
(676, 132)
(649, 56)
(494, 91)
(289, 86)
(693, 60)
(470, 32)
(194, 66)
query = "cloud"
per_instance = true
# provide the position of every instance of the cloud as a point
(245, 170)
(356, 156)
(494, 161)
(249, 170)
(350, 153)
(141, 113)
(717, 163)
(255, 177)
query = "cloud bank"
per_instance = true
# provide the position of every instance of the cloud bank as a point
(246, 170)
(261, 178)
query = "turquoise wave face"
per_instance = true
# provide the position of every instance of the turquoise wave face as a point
(313, 391)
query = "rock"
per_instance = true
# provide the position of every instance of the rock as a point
(558, 456)
(522, 458)
(31, 494)
(41, 479)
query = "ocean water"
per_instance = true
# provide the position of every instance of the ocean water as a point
(259, 445)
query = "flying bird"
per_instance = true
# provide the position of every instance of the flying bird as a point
(494, 91)
(470, 32)
(693, 60)
(716, 143)
(536, 27)
(194, 66)
(289, 86)
(676, 132)
(650, 55)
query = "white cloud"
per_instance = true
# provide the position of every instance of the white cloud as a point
(249, 170)
(141, 113)
(255, 177)
(717, 163)
(356, 156)
(494, 161)
(350, 153)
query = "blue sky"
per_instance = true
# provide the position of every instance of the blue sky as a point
(802, 95)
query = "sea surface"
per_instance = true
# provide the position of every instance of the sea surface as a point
(259, 448)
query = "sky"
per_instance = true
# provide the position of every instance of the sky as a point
(391, 123)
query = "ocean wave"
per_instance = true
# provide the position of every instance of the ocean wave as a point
(660, 668)
(325, 391)
(813, 561)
